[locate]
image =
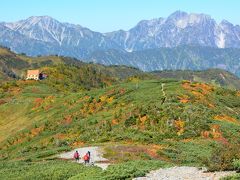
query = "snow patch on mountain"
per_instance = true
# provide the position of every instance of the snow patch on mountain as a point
(221, 40)
(129, 49)
(126, 38)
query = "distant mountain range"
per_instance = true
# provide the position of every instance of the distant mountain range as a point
(44, 35)
(150, 45)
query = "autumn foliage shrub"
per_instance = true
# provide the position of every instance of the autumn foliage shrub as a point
(236, 165)
(224, 158)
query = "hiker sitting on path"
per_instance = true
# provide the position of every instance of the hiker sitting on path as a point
(76, 156)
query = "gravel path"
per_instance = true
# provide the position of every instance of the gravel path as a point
(96, 156)
(184, 173)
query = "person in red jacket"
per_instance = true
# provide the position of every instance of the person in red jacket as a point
(76, 156)
(86, 158)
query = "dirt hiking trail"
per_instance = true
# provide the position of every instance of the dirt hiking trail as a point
(172, 173)
(184, 173)
(96, 156)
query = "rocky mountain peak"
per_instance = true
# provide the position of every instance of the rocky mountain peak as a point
(182, 19)
(37, 19)
(177, 15)
(226, 24)
(31, 22)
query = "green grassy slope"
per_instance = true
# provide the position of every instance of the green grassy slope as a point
(36, 122)
(142, 122)
(215, 76)
(15, 65)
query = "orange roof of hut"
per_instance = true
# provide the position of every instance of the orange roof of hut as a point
(33, 74)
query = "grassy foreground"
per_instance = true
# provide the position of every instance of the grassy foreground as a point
(67, 170)
(142, 124)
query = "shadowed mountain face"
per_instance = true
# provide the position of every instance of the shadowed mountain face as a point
(182, 57)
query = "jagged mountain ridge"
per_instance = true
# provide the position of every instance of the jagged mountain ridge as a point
(180, 28)
(49, 36)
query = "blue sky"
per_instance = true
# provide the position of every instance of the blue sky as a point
(109, 15)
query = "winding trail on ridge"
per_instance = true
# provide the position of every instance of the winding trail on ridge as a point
(164, 94)
(96, 157)
(172, 173)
